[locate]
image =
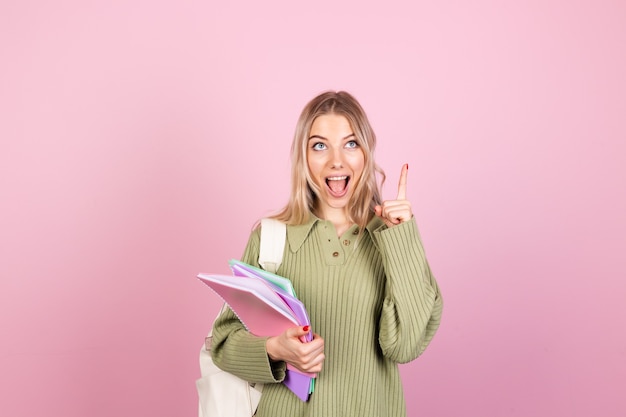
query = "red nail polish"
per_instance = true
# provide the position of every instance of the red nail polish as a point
(306, 328)
(407, 167)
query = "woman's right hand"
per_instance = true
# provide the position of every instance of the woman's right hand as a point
(307, 357)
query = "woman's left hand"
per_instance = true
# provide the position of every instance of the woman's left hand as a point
(396, 211)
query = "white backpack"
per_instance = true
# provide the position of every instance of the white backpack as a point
(220, 393)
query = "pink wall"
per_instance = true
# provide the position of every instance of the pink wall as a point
(140, 141)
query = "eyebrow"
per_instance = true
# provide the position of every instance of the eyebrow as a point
(322, 137)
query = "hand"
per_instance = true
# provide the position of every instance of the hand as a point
(399, 210)
(307, 357)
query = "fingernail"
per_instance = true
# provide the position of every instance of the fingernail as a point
(305, 328)
(407, 167)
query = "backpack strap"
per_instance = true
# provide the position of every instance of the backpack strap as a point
(273, 235)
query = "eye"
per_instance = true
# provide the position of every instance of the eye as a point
(318, 146)
(352, 144)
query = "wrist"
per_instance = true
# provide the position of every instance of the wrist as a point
(270, 349)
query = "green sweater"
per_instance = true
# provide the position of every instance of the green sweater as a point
(373, 300)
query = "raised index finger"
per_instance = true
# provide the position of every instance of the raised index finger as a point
(402, 183)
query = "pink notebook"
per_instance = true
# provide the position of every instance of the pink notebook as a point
(259, 308)
(295, 306)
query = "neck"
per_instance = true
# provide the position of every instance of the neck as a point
(338, 217)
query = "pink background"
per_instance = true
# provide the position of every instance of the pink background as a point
(140, 140)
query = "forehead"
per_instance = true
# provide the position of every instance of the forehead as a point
(330, 125)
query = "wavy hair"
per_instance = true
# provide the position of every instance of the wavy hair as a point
(304, 192)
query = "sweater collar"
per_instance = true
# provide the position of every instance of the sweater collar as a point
(297, 234)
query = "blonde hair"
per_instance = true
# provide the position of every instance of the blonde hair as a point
(304, 192)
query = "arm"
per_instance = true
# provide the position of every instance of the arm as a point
(412, 305)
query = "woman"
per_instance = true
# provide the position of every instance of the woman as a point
(357, 264)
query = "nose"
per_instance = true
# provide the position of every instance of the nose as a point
(336, 161)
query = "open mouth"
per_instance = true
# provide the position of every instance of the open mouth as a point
(338, 186)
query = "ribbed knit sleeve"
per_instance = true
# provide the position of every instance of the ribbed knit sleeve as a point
(236, 350)
(412, 304)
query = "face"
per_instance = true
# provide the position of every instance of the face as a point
(335, 161)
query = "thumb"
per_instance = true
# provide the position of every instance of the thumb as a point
(298, 332)
(378, 210)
